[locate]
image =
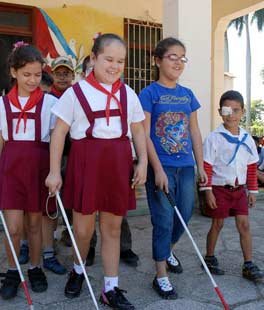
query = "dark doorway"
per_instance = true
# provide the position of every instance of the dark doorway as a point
(16, 24)
(6, 46)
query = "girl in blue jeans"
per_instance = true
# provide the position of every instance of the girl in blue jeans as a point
(173, 136)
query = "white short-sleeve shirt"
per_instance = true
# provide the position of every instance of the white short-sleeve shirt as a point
(70, 111)
(217, 151)
(47, 120)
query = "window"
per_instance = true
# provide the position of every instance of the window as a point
(141, 37)
(16, 24)
(15, 19)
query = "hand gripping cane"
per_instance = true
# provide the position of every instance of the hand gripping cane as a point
(76, 249)
(23, 282)
(221, 297)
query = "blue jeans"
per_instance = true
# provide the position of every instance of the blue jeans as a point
(167, 228)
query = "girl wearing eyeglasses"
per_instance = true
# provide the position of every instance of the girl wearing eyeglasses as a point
(173, 136)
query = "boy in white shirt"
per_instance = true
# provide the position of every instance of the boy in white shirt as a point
(230, 161)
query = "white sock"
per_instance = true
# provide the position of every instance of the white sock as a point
(55, 234)
(172, 260)
(12, 269)
(48, 252)
(110, 283)
(165, 284)
(77, 268)
(33, 266)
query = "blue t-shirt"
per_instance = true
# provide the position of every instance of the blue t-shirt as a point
(170, 110)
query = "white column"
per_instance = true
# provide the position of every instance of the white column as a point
(190, 21)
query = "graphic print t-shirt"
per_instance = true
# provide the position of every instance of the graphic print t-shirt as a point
(170, 110)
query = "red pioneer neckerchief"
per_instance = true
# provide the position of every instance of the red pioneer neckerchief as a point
(57, 93)
(115, 87)
(33, 100)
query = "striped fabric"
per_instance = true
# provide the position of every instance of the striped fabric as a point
(252, 180)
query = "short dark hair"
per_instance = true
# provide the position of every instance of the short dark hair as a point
(46, 79)
(165, 44)
(103, 40)
(232, 95)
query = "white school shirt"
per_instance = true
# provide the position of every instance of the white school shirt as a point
(47, 120)
(217, 151)
(70, 111)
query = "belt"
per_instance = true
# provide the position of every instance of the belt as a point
(231, 187)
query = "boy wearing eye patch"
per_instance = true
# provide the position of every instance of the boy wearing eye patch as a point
(230, 161)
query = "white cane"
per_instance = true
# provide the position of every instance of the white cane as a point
(220, 295)
(23, 282)
(76, 249)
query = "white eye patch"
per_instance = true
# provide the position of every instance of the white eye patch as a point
(225, 111)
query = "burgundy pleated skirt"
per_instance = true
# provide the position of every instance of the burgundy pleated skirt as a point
(98, 176)
(24, 166)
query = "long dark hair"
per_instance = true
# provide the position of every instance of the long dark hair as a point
(162, 47)
(165, 44)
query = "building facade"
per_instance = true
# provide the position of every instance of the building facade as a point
(69, 27)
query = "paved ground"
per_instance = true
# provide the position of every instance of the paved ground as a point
(193, 286)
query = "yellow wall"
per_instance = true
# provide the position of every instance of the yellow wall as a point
(80, 20)
(223, 8)
(137, 9)
(82, 23)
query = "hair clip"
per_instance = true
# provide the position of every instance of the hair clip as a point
(19, 44)
(97, 35)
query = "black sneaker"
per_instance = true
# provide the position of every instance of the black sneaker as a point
(129, 257)
(37, 280)
(174, 265)
(213, 266)
(171, 294)
(115, 299)
(23, 254)
(90, 257)
(10, 284)
(73, 286)
(252, 272)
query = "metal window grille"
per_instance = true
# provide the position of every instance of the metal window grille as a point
(141, 37)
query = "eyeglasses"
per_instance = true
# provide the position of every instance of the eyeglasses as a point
(174, 58)
(62, 74)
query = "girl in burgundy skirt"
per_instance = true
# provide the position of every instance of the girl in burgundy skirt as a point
(25, 124)
(102, 115)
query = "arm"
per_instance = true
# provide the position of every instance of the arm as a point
(139, 141)
(2, 142)
(54, 180)
(209, 196)
(161, 179)
(197, 147)
(252, 184)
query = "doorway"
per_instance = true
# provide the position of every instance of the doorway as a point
(16, 24)
(6, 46)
